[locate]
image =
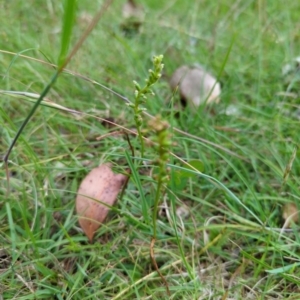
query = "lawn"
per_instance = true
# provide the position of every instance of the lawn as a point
(222, 229)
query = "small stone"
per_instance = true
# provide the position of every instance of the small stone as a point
(195, 85)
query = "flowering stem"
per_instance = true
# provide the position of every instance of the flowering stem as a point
(141, 95)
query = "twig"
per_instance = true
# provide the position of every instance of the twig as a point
(156, 266)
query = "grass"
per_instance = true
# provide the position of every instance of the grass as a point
(230, 245)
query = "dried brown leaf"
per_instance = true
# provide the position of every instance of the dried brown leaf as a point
(290, 214)
(101, 185)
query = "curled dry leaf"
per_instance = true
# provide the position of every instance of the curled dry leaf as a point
(101, 185)
(85, 18)
(195, 85)
(290, 214)
(182, 212)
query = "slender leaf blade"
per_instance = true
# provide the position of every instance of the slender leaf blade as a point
(67, 28)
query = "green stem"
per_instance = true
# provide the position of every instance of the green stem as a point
(137, 115)
(37, 103)
(155, 208)
(141, 141)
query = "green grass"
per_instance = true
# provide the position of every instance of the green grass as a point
(230, 246)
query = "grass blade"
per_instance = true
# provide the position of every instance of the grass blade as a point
(68, 24)
(59, 70)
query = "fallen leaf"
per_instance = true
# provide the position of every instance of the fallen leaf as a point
(182, 212)
(85, 18)
(195, 85)
(101, 185)
(290, 214)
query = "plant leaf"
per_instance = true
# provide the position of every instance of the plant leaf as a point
(283, 269)
(193, 164)
(67, 27)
